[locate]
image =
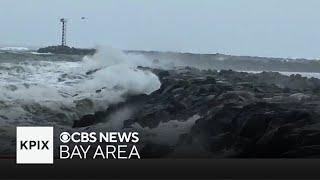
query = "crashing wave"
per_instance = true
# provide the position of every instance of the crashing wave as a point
(42, 91)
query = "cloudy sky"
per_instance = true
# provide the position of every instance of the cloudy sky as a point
(280, 28)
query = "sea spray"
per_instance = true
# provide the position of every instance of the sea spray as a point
(52, 91)
(116, 69)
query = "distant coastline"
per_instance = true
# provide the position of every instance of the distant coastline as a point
(207, 61)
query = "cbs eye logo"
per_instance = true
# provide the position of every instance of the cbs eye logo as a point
(65, 137)
(78, 137)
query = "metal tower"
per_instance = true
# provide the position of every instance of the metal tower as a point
(64, 32)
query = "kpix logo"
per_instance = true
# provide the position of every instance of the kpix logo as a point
(34, 145)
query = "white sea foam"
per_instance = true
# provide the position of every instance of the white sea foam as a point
(37, 53)
(64, 87)
(14, 49)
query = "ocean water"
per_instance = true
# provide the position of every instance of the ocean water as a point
(43, 92)
(62, 86)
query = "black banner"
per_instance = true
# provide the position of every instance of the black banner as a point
(165, 168)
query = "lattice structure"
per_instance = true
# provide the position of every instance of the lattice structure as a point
(64, 32)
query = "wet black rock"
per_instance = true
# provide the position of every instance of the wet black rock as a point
(251, 115)
(103, 116)
(241, 114)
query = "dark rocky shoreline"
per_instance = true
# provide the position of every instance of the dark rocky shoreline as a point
(242, 115)
(66, 50)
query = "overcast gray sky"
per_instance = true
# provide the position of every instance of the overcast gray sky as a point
(281, 28)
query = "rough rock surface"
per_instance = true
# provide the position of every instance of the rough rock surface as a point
(241, 114)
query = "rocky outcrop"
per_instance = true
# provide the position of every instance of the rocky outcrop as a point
(103, 116)
(66, 50)
(241, 114)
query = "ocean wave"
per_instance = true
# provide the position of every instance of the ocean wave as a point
(42, 91)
